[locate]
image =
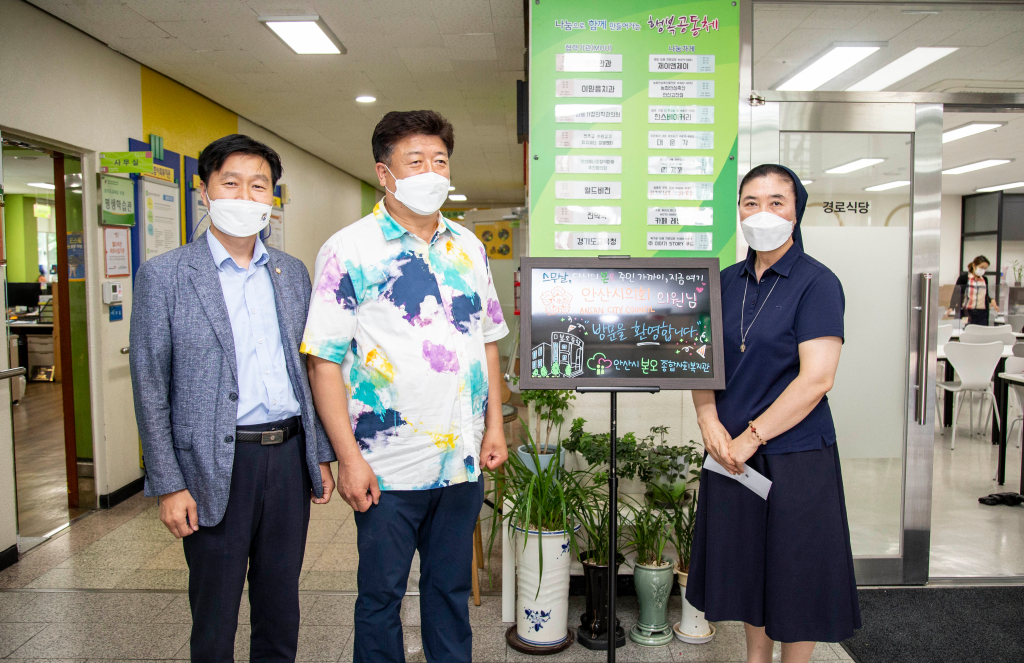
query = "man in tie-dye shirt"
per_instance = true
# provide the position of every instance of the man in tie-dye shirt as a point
(403, 363)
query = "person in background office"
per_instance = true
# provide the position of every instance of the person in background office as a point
(42, 275)
(403, 360)
(973, 288)
(231, 443)
(783, 565)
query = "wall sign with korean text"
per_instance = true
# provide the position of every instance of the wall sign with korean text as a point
(633, 123)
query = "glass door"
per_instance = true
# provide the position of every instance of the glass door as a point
(868, 169)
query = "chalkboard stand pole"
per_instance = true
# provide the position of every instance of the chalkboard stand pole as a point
(613, 501)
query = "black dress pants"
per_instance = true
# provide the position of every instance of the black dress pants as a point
(264, 530)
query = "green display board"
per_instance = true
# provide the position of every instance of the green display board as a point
(634, 111)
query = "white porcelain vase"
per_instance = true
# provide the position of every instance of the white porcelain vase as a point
(542, 618)
(692, 627)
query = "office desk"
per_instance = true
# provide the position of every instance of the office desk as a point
(1003, 381)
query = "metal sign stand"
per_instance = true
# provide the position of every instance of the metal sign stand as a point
(613, 501)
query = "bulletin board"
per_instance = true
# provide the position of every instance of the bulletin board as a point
(633, 128)
(628, 322)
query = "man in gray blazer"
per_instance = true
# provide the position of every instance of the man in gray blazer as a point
(231, 443)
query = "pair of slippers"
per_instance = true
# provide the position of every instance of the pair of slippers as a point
(1009, 499)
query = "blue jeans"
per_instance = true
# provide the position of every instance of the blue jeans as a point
(439, 523)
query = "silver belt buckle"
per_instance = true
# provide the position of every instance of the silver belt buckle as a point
(271, 437)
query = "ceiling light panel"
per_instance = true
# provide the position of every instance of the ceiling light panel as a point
(42, 185)
(828, 66)
(457, 197)
(969, 130)
(852, 166)
(888, 185)
(366, 99)
(306, 35)
(900, 68)
(1000, 187)
(978, 165)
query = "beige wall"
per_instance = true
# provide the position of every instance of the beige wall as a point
(949, 240)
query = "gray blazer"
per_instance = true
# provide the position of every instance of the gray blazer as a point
(184, 377)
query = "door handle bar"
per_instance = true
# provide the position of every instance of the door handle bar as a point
(922, 348)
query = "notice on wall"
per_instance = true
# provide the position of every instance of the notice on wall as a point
(161, 229)
(76, 256)
(587, 323)
(276, 239)
(116, 256)
(642, 100)
(117, 201)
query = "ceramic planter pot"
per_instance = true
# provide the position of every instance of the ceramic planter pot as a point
(542, 600)
(545, 459)
(653, 586)
(593, 630)
(692, 627)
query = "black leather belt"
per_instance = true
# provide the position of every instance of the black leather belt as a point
(269, 434)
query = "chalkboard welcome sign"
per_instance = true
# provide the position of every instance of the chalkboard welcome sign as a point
(621, 322)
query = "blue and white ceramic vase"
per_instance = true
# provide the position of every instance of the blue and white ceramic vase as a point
(542, 595)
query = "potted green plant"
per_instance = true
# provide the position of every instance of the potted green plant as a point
(692, 627)
(652, 574)
(540, 505)
(671, 468)
(631, 456)
(593, 630)
(549, 407)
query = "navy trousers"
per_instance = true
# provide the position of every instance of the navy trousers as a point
(264, 530)
(439, 523)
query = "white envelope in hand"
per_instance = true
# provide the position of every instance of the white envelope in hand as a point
(753, 480)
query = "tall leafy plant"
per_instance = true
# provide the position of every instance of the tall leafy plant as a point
(682, 519)
(549, 407)
(648, 534)
(630, 454)
(593, 518)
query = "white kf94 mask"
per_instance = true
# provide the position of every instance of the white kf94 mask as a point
(239, 218)
(423, 194)
(765, 231)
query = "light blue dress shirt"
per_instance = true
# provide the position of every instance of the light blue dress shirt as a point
(264, 389)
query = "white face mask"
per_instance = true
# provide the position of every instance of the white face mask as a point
(765, 231)
(979, 271)
(239, 218)
(423, 194)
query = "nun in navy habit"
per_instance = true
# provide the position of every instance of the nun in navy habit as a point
(783, 566)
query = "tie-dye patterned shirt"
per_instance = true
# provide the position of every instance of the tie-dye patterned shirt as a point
(408, 320)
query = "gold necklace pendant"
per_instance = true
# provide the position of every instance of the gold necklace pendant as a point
(743, 347)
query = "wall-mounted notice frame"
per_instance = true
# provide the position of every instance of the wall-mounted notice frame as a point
(116, 259)
(276, 238)
(633, 123)
(621, 322)
(117, 201)
(160, 229)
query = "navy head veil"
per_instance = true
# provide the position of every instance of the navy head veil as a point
(801, 205)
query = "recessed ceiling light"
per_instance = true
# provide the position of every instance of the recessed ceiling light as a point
(306, 35)
(978, 165)
(969, 130)
(837, 60)
(42, 185)
(457, 197)
(366, 99)
(806, 182)
(451, 188)
(1000, 187)
(852, 166)
(888, 185)
(900, 68)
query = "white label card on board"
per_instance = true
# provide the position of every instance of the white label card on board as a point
(681, 140)
(680, 216)
(701, 64)
(588, 113)
(681, 114)
(599, 241)
(586, 139)
(681, 89)
(588, 87)
(588, 190)
(680, 190)
(680, 165)
(678, 241)
(588, 62)
(587, 216)
(584, 164)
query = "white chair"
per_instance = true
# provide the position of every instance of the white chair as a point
(1018, 349)
(1004, 336)
(988, 329)
(945, 333)
(1016, 323)
(1016, 365)
(974, 363)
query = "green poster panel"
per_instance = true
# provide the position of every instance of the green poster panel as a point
(634, 111)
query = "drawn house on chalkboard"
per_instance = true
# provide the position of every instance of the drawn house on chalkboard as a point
(540, 358)
(567, 351)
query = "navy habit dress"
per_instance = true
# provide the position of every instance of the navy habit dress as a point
(784, 563)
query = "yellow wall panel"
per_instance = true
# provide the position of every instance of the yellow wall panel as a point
(185, 119)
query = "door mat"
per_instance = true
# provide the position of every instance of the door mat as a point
(940, 624)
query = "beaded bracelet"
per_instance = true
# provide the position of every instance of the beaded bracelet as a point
(754, 432)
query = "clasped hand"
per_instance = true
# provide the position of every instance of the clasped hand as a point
(731, 453)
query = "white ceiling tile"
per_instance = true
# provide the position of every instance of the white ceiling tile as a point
(461, 16)
(421, 60)
(470, 47)
(507, 8)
